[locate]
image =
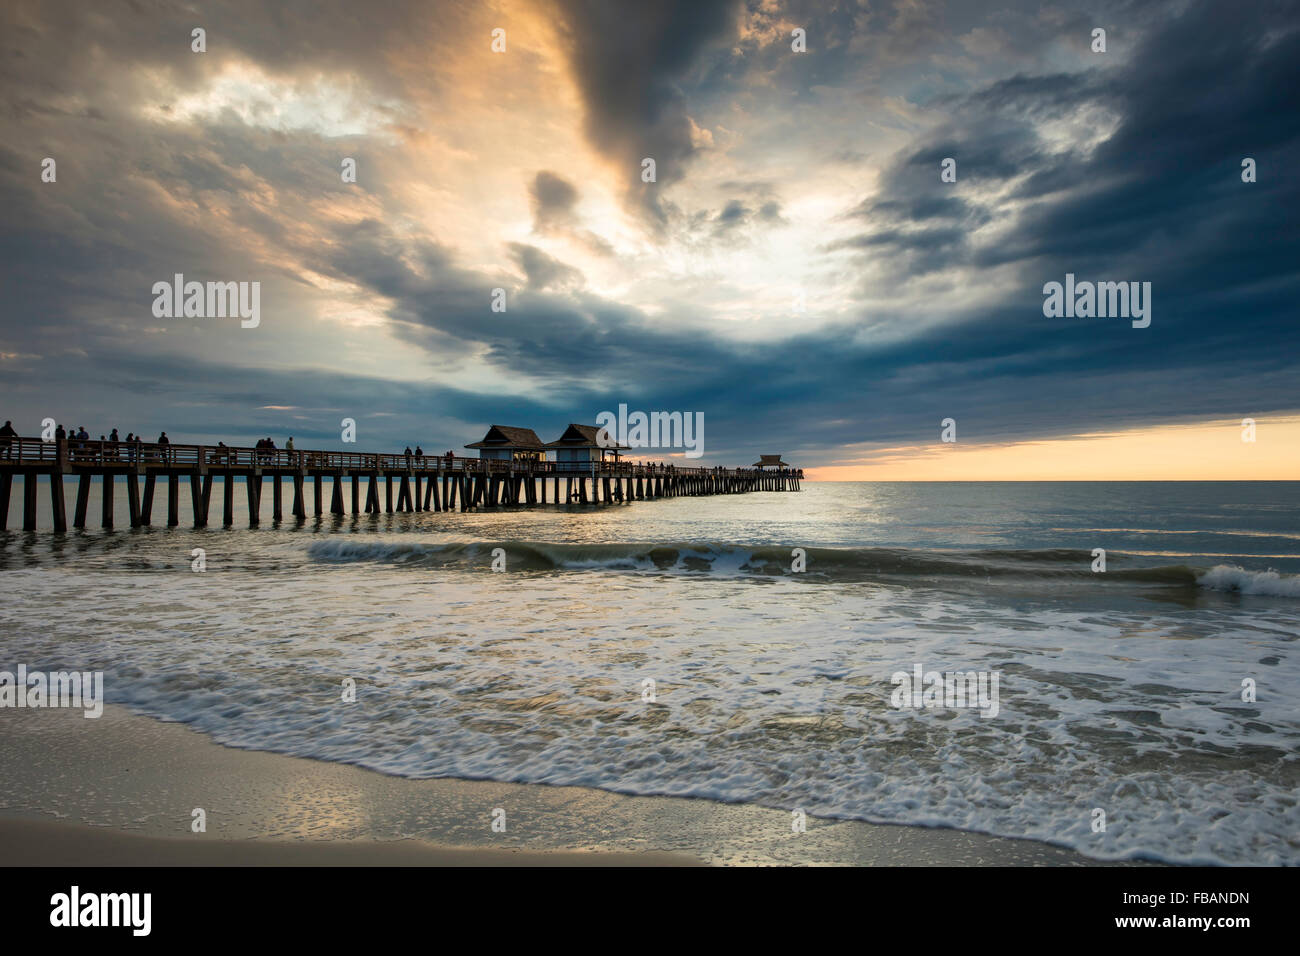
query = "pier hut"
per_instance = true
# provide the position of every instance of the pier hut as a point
(579, 449)
(510, 443)
(769, 461)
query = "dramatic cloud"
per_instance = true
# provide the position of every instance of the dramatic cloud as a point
(799, 271)
(630, 61)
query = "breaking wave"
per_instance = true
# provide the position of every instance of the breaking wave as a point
(824, 564)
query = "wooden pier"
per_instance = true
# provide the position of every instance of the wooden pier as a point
(441, 483)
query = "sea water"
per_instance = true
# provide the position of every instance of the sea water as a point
(667, 647)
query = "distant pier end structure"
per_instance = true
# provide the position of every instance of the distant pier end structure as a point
(512, 470)
(779, 475)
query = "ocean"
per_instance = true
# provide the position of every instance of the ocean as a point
(1150, 710)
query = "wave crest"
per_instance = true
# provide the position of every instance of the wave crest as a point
(833, 564)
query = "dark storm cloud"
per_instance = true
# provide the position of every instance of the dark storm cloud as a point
(554, 198)
(734, 221)
(554, 201)
(1159, 199)
(544, 271)
(630, 61)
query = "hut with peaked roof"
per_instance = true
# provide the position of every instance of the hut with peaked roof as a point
(769, 461)
(580, 447)
(508, 443)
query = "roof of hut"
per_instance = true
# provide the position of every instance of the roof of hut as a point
(508, 436)
(583, 436)
(769, 460)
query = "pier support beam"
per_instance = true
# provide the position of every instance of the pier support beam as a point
(146, 506)
(336, 496)
(316, 494)
(205, 500)
(253, 486)
(57, 507)
(83, 499)
(29, 501)
(6, 486)
(133, 498)
(228, 500)
(299, 506)
(174, 498)
(106, 501)
(277, 498)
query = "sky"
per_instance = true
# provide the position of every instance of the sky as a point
(798, 272)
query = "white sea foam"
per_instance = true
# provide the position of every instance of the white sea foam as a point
(773, 691)
(1121, 691)
(1224, 577)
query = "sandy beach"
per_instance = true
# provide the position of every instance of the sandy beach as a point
(120, 790)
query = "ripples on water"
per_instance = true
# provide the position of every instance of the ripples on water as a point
(1120, 691)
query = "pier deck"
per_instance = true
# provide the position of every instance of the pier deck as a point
(437, 483)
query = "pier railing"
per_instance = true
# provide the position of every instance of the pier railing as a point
(72, 455)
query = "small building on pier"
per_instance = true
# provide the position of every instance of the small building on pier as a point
(769, 461)
(508, 443)
(580, 447)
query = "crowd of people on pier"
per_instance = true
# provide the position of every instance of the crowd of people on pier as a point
(78, 443)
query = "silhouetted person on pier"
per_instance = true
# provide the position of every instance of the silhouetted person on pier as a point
(163, 439)
(7, 434)
(419, 452)
(112, 436)
(60, 433)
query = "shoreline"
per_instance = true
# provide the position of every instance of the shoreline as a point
(120, 790)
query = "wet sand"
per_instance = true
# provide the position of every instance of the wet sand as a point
(121, 790)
